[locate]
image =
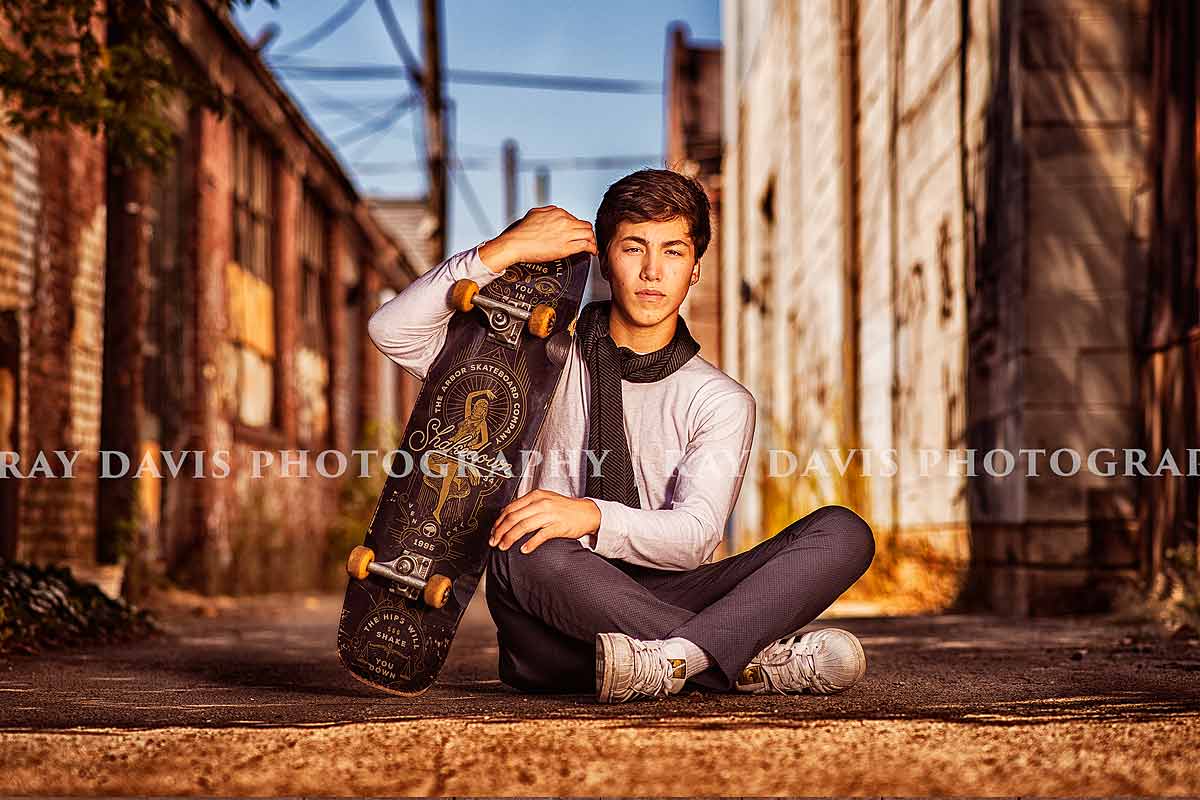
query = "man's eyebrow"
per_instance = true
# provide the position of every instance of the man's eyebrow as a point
(645, 243)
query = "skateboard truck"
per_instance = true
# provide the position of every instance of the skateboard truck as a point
(505, 319)
(409, 570)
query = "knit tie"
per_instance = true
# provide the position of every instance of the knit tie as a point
(607, 365)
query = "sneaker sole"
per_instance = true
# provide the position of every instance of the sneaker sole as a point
(604, 655)
(861, 666)
(862, 660)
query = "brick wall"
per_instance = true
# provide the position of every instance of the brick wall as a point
(693, 147)
(60, 380)
(220, 532)
(20, 202)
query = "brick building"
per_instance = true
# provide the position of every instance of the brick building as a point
(230, 292)
(948, 226)
(693, 147)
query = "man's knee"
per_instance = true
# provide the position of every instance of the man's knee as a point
(851, 535)
(854, 536)
(549, 563)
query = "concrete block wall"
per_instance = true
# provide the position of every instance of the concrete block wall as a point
(998, 192)
(876, 208)
(790, 161)
(1084, 99)
(928, 307)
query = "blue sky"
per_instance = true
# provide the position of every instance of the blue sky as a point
(615, 39)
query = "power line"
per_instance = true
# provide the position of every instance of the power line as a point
(364, 148)
(561, 82)
(336, 20)
(597, 162)
(526, 164)
(378, 123)
(412, 68)
(472, 199)
(458, 174)
(351, 109)
(517, 80)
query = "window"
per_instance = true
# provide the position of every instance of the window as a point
(250, 278)
(312, 356)
(253, 203)
(314, 272)
(163, 349)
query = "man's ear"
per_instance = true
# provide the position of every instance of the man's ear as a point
(695, 274)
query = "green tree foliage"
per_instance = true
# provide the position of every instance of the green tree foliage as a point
(104, 67)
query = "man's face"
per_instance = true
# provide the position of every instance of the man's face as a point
(650, 266)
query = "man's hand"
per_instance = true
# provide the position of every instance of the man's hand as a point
(553, 515)
(544, 234)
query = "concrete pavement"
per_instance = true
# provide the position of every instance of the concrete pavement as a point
(253, 701)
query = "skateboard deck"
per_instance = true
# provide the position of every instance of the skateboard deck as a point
(482, 404)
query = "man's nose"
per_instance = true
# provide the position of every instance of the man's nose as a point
(651, 266)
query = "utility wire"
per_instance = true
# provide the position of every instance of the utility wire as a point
(569, 83)
(351, 109)
(368, 145)
(412, 68)
(336, 20)
(459, 175)
(562, 82)
(473, 204)
(376, 124)
(526, 164)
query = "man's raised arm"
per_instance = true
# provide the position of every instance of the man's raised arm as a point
(410, 329)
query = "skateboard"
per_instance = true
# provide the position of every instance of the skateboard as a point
(482, 404)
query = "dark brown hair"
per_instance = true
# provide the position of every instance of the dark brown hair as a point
(655, 195)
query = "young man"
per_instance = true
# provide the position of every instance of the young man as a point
(597, 572)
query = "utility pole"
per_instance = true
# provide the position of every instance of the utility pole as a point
(436, 142)
(509, 158)
(542, 185)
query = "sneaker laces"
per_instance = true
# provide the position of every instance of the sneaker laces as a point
(651, 669)
(791, 665)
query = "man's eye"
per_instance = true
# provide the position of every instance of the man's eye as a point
(633, 249)
(674, 253)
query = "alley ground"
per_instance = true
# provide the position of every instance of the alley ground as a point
(250, 699)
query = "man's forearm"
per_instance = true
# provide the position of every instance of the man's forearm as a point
(669, 538)
(411, 327)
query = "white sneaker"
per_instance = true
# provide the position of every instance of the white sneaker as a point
(629, 669)
(822, 662)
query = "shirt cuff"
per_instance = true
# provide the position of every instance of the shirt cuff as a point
(610, 538)
(477, 270)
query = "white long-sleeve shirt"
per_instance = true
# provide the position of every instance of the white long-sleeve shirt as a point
(689, 434)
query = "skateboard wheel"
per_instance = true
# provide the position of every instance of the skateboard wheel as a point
(360, 557)
(541, 321)
(437, 591)
(462, 296)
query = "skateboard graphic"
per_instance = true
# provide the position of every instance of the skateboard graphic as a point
(482, 404)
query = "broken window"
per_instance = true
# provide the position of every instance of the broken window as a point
(253, 203)
(249, 279)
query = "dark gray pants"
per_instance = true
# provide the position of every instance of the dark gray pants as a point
(550, 604)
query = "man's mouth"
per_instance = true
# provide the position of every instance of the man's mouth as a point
(650, 294)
